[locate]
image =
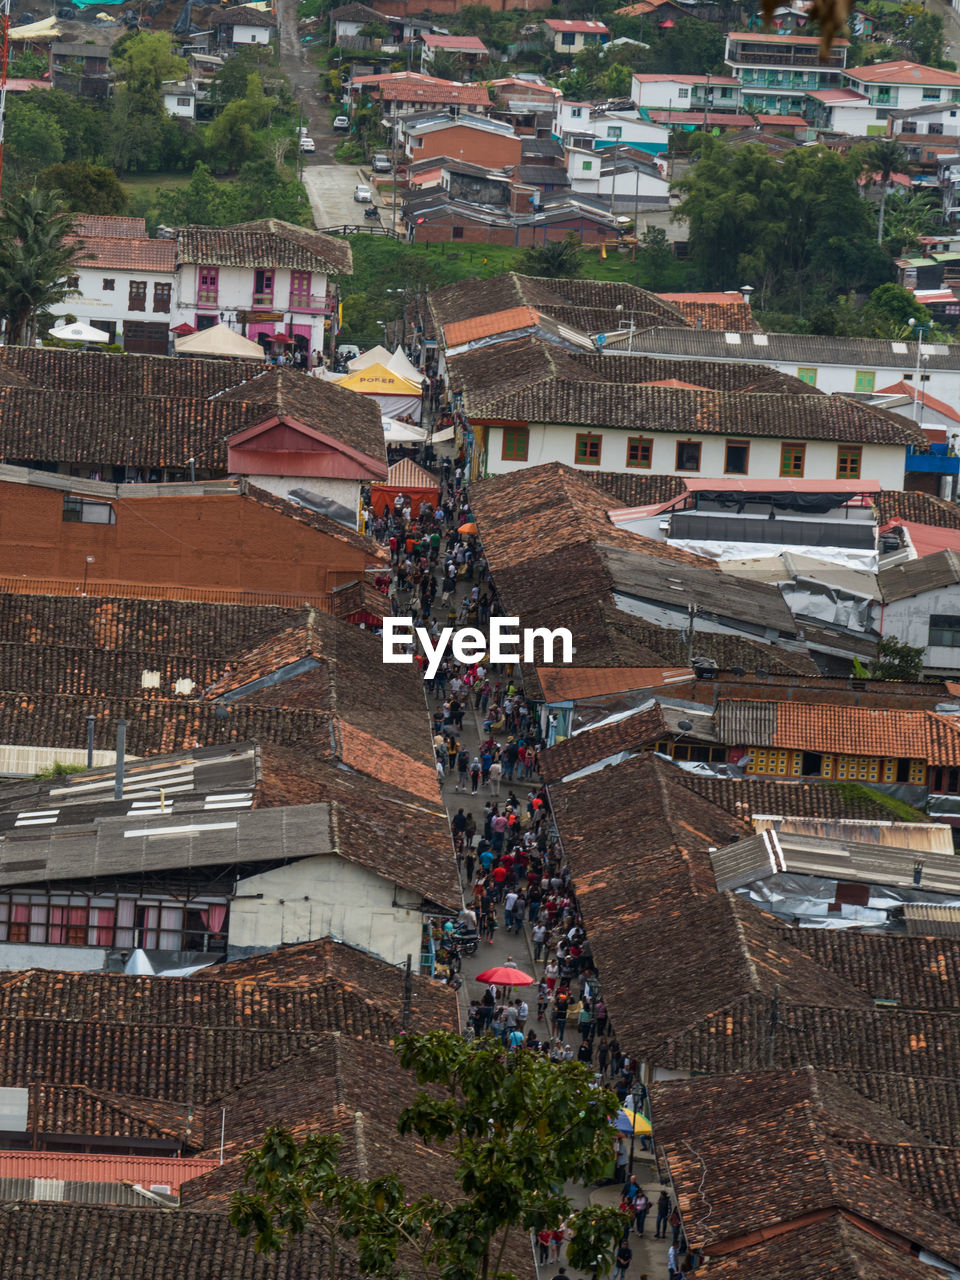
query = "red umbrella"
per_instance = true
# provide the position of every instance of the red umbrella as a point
(182, 330)
(505, 976)
(280, 337)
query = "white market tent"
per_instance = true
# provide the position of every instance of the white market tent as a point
(79, 333)
(219, 340)
(402, 432)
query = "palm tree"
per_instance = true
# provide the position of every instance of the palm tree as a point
(886, 158)
(35, 260)
(559, 259)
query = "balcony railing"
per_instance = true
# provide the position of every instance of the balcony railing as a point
(757, 56)
(936, 459)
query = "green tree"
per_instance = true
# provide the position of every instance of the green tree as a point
(560, 259)
(85, 187)
(518, 1127)
(33, 140)
(444, 65)
(895, 660)
(909, 215)
(35, 260)
(28, 65)
(230, 138)
(144, 59)
(230, 82)
(81, 124)
(655, 257)
(885, 157)
(203, 202)
(888, 310)
(616, 81)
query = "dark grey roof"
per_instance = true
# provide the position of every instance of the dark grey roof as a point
(758, 604)
(540, 147)
(804, 348)
(914, 577)
(219, 779)
(159, 843)
(537, 173)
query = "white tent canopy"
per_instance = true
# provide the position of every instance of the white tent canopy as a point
(219, 340)
(395, 432)
(79, 333)
(376, 355)
(398, 363)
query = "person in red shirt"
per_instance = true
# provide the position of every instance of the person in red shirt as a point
(499, 877)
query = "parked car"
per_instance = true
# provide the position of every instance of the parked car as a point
(308, 145)
(381, 163)
(342, 123)
(303, 131)
(362, 194)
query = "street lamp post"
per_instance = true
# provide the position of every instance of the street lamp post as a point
(919, 330)
(86, 569)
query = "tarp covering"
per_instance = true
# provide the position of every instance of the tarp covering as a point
(47, 28)
(395, 432)
(793, 501)
(219, 340)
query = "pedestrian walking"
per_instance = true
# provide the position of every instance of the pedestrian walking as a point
(641, 1207)
(663, 1215)
(623, 1260)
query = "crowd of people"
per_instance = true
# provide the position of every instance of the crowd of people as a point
(512, 868)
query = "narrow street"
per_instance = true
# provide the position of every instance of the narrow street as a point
(649, 1255)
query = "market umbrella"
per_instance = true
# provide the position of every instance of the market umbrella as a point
(280, 337)
(183, 330)
(469, 527)
(503, 975)
(628, 1121)
(79, 333)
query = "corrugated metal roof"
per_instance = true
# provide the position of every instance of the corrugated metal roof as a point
(744, 721)
(918, 837)
(925, 920)
(914, 577)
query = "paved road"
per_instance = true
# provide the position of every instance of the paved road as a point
(330, 188)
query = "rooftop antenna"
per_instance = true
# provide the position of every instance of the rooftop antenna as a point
(4, 59)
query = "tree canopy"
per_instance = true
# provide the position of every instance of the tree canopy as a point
(518, 1128)
(795, 228)
(35, 259)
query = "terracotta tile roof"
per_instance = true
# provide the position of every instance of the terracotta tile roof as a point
(158, 412)
(562, 684)
(924, 397)
(323, 406)
(457, 332)
(545, 530)
(587, 305)
(916, 508)
(153, 1246)
(917, 735)
(380, 820)
(637, 490)
(123, 253)
(73, 587)
(614, 404)
(631, 733)
(917, 973)
(932, 1174)
(744, 797)
(439, 92)
(355, 972)
(712, 375)
(265, 242)
(653, 899)
(834, 1247)
(74, 1108)
(726, 311)
(461, 44)
(929, 1104)
(769, 1157)
(95, 224)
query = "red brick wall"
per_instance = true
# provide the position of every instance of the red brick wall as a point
(486, 149)
(219, 541)
(437, 232)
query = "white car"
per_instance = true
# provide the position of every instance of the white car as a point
(307, 144)
(342, 122)
(362, 194)
(302, 131)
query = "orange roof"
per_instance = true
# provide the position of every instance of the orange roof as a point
(371, 755)
(902, 72)
(865, 731)
(486, 326)
(160, 591)
(567, 684)
(927, 539)
(407, 474)
(925, 398)
(123, 253)
(146, 1171)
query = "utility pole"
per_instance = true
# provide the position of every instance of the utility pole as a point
(5, 56)
(396, 139)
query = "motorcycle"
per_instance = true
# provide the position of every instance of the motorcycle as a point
(372, 212)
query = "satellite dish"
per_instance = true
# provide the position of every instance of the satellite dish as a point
(684, 726)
